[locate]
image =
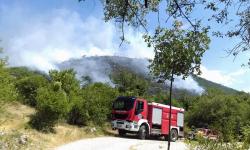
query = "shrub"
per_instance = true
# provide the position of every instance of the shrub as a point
(246, 138)
(27, 88)
(7, 87)
(75, 115)
(67, 78)
(52, 105)
(129, 83)
(224, 113)
(94, 105)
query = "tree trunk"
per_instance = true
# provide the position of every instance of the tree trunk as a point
(170, 112)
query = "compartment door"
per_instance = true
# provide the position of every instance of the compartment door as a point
(157, 116)
(180, 119)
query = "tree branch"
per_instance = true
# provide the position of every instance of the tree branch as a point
(183, 14)
(123, 20)
(141, 23)
(146, 3)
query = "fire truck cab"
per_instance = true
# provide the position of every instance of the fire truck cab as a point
(136, 115)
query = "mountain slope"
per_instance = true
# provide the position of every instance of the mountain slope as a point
(100, 69)
(206, 84)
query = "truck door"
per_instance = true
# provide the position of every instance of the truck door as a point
(140, 111)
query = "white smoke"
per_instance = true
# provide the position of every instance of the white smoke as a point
(43, 40)
(99, 69)
(189, 83)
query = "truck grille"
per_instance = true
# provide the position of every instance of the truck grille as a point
(121, 116)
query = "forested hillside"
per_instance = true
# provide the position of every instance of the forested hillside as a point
(80, 100)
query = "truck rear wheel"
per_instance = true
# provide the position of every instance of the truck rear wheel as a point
(121, 132)
(173, 135)
(142, 132)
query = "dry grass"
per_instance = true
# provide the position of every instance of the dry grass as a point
(14, 119)
(15, 116)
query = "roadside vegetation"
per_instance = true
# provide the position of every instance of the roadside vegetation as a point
(36, 106)
(40, 111)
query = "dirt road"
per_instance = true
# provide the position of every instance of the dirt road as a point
(117, 143)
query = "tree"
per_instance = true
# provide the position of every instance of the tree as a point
(214, 108)
(241, 30)
(229, 12)
(94, 104)
(86, 80)
(68, 79)
(129, 83)
(28, 86)
(177, 52)
(7, 87)
(52, 104)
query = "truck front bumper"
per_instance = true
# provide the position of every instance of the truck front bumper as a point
(125, 125)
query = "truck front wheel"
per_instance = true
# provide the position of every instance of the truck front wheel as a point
(142, 132)
(121, 132)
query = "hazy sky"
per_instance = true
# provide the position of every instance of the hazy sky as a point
(41, 33)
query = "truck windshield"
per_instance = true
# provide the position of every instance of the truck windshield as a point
(124, 103)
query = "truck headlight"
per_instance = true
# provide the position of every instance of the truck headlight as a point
(135, 124)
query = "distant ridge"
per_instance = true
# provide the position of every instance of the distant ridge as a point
(99, 68)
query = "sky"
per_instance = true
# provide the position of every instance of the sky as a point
(42, 33)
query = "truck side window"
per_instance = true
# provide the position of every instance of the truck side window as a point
(139, 107)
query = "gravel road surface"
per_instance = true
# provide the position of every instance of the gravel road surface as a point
(118, 143)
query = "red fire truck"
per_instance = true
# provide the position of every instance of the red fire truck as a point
(136, 115)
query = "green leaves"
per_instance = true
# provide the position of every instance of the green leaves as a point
(129, 83)
(67, 79)
(7, 87)
(177, 50)
(136, 13)
(28, 86)
(94, 104)
(225, 113)
(52, 104)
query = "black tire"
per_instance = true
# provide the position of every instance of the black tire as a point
(166, 137)
(121, 132)
(142, 134)
(173, 135)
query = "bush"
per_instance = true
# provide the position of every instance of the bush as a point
(129, 83)
(246, 136)
(75, 115)
(27, 88)
(94, 106)
(52, 105)
(227, 114)
(7, 87)
(68, 79)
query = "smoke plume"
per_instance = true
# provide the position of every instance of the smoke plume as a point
(45, 40)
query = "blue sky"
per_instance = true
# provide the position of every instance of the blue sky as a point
(42, 33)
